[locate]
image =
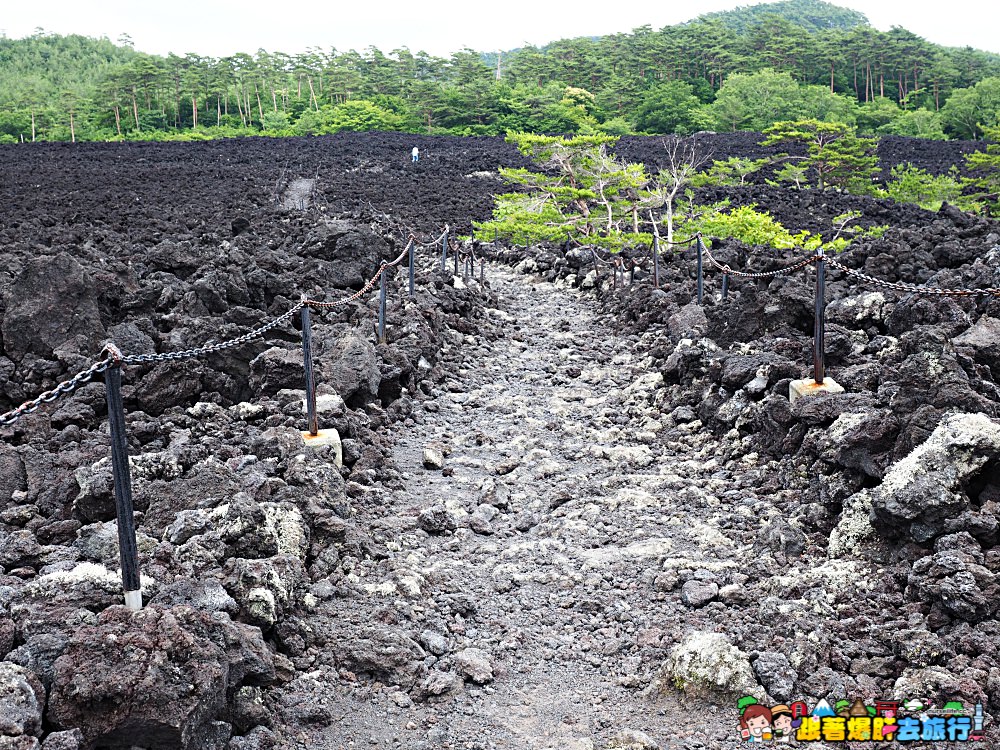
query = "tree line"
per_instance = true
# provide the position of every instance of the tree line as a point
(741, 70)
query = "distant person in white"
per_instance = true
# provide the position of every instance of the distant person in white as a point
(416, 153)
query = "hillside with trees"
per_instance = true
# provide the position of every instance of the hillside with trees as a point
(740, 70)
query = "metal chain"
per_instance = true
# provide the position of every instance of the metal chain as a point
(361, 292)
(344, 300)
(762, 275)
(64, 388)
(913, 288)
(601, 260)
(399, 260)
(431, 243)
(211, 348)
(115, 358)
(688, 241)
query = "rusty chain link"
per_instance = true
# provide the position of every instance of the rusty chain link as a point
(688, 241)
(132, 359)
(761, 275)
(601, 260)
(895, 285)
(64, 388)
(431, 243)
(115, 358)
(314, 304)
(913, 288)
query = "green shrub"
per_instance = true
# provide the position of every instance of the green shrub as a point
(910, 184)
(744, 223)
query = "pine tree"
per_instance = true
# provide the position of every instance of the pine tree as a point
(583, 194)
(836, 155)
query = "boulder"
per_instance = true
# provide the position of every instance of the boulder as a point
(474, 664)
(707, 664)
(921, 493)
(275, 369)
(158, 678)
(695, 593)
(22, 702)
(351, 368)
(776, 674)
(352, 252)
(954, 577)
(53, 299)
(70, 739)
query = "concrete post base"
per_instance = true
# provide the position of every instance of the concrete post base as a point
(324, 438)
(133, 600)
(809, 387)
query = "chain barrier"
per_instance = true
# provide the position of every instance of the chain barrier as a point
(316, 305)
(601, 260)
(688, 241)
(133, 359)
(63, 389)
(431, 243)
(116, 358)
(761, 275)
(895, 285)
(913, 288)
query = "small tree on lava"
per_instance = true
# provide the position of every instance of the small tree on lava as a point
(835, 154)
(582, 193)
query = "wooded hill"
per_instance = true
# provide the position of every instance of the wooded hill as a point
(737, 70)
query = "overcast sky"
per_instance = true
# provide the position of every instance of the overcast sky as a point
(439, 27)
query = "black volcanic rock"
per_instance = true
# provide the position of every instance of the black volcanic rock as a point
(52, 300)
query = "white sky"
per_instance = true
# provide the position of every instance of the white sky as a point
(439, 27)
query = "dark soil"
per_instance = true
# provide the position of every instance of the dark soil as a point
(569, 513)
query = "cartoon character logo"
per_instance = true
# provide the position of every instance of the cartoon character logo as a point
(784, 723)
(855, 721)
(755, 720)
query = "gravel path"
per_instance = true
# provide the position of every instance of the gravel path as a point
(542, 564)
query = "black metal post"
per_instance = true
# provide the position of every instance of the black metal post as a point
(656, 262)
(457, 253)
(819, 358)
(631, 277)
(123, 488)
(381, 304)
(444, 251)
(701, 278)
(307, 364)
(412, 257)
(725, 285)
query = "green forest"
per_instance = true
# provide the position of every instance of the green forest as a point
(739, 70)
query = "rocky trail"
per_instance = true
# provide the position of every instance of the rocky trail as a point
(547, 511)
